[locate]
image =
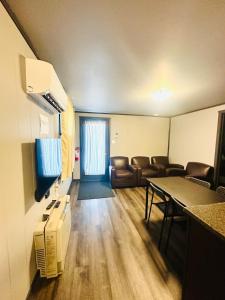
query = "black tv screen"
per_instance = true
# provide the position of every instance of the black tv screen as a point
(48, 152)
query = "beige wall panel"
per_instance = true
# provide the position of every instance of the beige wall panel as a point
(193, 136)
(4, 262)
(19, 127)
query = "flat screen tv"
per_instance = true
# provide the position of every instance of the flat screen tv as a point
(48, 154)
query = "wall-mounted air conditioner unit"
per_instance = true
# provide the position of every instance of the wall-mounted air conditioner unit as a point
(44, 86)
(51, 239)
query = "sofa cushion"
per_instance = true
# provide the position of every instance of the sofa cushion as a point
(175, 172)
(123, 173)
(149, 173)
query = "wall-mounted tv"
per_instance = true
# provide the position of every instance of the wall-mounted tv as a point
(48, 154)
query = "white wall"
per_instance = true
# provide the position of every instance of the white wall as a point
(19, 212)
(193, 136)
(137, 135)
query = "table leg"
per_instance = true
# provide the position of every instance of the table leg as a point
(146, 202)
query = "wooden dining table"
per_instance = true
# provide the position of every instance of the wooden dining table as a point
(185, 192)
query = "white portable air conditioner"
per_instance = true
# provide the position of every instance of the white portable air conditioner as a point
(51, 239)
(44, 86)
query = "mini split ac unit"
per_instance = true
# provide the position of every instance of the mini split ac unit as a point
(51, 239)
(44, 86)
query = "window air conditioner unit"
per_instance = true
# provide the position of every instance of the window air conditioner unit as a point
(43, 85)
(51, 239)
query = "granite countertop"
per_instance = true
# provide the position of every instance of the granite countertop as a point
(212, 216)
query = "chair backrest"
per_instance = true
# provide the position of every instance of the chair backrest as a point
(141, 161)
(199, 170)
(162, 160)
(198, 181)
(177, 207)
(221, 190)
(158, 192)
(119, 162)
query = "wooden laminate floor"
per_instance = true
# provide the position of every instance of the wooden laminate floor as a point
(112, 254)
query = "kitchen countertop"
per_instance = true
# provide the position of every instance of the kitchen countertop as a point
(211, 216)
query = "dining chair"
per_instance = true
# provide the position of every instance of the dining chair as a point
(165, 205)
(177, 216)
(221, 190)
(199, 181)
(170, 208)
(177, 207)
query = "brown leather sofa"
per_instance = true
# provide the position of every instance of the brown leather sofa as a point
(145, 169)
(121, 173)
(194, 169)
(163, 165)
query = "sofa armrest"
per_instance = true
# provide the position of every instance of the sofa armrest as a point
(138, 173)
(112, 172)
(176, 166)
(159, 168)
(133, 168)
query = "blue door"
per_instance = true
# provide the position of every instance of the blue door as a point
(94, 144)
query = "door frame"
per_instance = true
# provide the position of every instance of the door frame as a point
(104, 177)
(218, 149)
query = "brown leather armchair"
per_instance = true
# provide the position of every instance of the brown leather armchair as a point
(121, 173)
(145, 169)
(195, 169)
(163, 165)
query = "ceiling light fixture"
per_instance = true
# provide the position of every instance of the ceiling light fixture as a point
(161, 94)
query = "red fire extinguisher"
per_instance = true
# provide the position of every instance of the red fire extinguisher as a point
(77, 153)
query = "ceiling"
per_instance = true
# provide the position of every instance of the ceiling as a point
(115, 56)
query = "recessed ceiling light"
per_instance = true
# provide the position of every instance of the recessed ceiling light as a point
(155, 115)
(161, 94)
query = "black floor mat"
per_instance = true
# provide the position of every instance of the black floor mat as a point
(94, 190)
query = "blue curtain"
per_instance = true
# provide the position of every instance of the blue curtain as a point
(94, 147)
